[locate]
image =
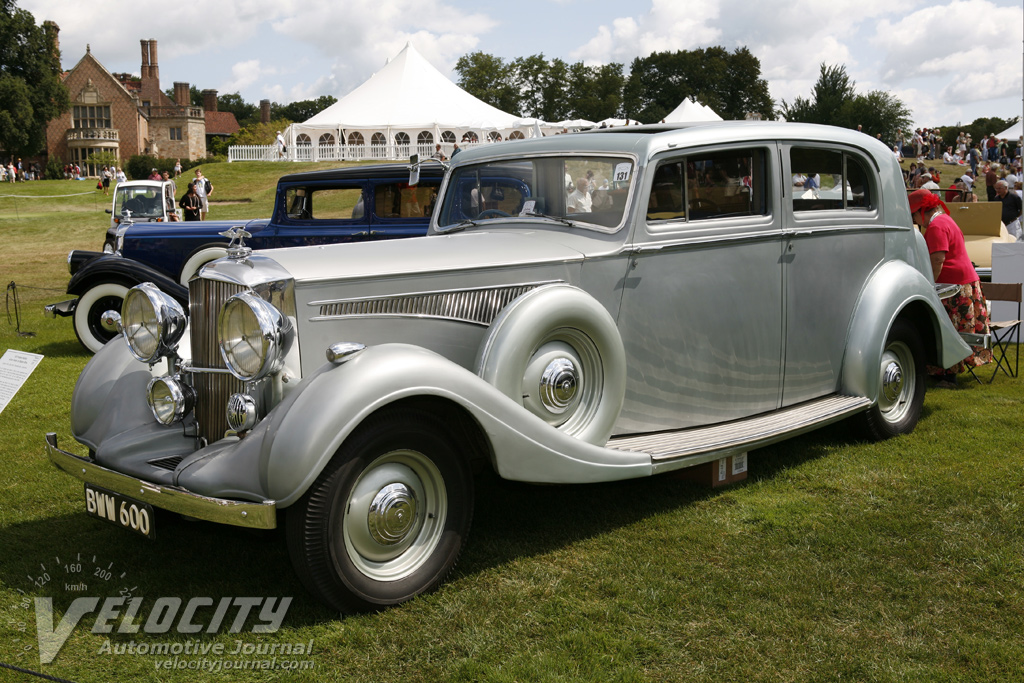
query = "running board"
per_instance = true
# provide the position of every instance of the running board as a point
(696, 445)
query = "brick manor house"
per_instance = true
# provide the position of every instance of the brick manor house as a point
(128, 115)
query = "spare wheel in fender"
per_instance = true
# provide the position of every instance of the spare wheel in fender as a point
(557, 352)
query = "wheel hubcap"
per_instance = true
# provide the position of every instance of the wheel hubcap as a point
(395, 515)
(392, 514)
(559, 384)
(898, 382)
(892, 382)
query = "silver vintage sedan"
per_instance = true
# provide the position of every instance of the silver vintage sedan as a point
(586, 307)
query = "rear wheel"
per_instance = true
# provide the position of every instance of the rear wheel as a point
(901, 386)
(90, 328)
(386, 519)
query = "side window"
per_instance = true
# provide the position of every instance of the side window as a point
(703, 186)
(400, 200)
(829, 180)
(306, 204)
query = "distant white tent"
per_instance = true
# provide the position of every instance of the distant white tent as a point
(407, 107)
(690, 111)
(1013, 132)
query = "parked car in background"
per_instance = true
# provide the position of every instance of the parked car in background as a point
(139, 201)
(692, 307)
(359, 203)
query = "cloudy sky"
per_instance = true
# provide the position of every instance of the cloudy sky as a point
(949, 60)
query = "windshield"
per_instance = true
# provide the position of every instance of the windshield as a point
(582, 190)
(143, 202)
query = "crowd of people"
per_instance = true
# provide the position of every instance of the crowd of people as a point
(14, 171)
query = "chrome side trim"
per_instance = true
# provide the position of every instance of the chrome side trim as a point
(672, 450)
(477, 306)
(221, 510)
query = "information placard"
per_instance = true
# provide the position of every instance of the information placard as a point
(15, 368)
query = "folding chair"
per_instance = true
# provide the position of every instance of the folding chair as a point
(1004, 332)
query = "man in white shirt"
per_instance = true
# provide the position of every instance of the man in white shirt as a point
(579, 201)
(200, 184)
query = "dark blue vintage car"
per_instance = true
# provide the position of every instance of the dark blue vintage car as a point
(320, 207)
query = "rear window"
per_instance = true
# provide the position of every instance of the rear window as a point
(825, 179)
(311, 204)
(703, 186)
(401, 200)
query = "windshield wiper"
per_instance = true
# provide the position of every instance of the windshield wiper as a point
(461, 225)
(560, 219)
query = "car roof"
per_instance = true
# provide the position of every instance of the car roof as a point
(427, 170)
(647, 140)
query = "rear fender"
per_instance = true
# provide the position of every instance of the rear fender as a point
(893, 289)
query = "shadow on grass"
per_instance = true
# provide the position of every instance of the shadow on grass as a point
(190, 559)
(63, 349)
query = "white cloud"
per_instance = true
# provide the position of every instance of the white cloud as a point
(114, 28)
(668, 25)
(244, 74)
(368, 32)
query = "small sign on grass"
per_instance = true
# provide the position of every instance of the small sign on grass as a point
(15, 368)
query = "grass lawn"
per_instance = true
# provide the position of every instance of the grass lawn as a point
(835, 560)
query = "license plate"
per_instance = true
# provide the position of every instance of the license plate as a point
(121, 510)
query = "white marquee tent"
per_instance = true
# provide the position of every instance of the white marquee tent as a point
(1013, 132)
(690, 111)
(406, 107)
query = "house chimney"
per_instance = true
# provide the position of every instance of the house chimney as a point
(52, 33)
(264, 111)
(154, 68)
(182, 94)
(145, 58)
(210, 100)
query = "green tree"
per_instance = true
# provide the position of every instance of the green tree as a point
(832, 90)
(303, 110)
(729, 83)
(31, 91)
(258, 133)
(245, 112)
(488, 78)
(878, 112)
(835, 102)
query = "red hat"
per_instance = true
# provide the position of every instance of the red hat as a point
(924, 199)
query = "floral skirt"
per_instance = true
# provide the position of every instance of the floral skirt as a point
(968, 312)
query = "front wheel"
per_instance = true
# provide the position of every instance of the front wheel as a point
(386, 519)
(901, 386)
(90, 328)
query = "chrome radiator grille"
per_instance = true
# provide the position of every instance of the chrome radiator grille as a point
(211, 380)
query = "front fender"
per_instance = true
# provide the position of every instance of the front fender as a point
(891, 290)
(294, 443)
(116, 268)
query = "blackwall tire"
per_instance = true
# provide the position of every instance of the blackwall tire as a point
(91, 306)
(901, 386)
(387, 518)
(557, 352)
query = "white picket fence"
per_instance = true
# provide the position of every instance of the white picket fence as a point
(338, 152)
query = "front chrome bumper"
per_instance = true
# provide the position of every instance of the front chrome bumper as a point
(223, 511)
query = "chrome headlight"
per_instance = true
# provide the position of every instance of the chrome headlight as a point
(169, 399)
(251, 335)
(153, 322)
